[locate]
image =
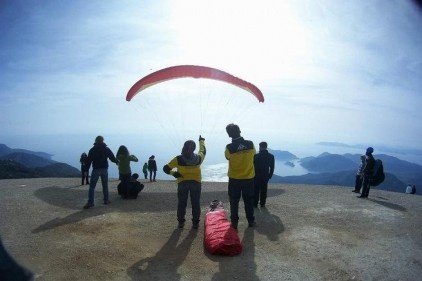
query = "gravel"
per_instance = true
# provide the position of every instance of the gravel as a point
(306, 232)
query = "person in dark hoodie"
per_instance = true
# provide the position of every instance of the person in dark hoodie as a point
(368, 170)
(186, 168)
(264, 170)
(240, 154)
(98, 156)
(84, 168)
(152, 168)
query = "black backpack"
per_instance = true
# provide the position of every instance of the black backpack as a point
(378, 175)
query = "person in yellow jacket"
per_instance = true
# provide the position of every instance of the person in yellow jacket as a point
(186, 168)
(241, 173)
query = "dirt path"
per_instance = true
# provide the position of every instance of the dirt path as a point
(305, 233)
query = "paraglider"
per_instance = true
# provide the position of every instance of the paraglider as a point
(193, 71)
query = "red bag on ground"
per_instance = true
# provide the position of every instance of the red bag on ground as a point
(220, 238)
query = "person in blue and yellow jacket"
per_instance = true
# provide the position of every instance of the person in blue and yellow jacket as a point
(241, 173)
(186, 168)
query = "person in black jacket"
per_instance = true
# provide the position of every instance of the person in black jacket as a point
(264, 169)
(368, 171)
(98, 156)
(84, 168)
(152, 168)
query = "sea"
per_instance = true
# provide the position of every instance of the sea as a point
(68, 148)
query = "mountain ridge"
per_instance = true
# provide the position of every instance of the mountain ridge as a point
(336, 169)
(22, 163)
(324, 169)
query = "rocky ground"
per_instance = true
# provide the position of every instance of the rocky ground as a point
(305, 233)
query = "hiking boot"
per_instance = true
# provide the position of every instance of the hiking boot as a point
(251, 224)
(195, 226)
(106, 202)
(88, 205)
(181, 225)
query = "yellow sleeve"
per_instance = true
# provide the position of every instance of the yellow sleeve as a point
(202, 150)
(173, 164)
(227, 153)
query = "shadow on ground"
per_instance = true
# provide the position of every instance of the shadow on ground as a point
(389, 205)
(71, 198)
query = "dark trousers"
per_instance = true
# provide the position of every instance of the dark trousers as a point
(152, 175)
(358, 183)
(126, 185)
(365, 186)
(185, 188)
(244, 189)
(260, 188)
(85, 176)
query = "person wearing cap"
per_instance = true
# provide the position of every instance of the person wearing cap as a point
(368, 170)
(152, 168)
(264, 170)
(240, 154)
(98, 156)
(359, 175)
(186, 168)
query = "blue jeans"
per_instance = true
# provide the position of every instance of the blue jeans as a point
(96, 173)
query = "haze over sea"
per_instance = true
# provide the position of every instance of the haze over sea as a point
(68, 148)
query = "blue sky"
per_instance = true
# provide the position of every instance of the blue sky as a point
(331, 71)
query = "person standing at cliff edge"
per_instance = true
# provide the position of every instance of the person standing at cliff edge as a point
(98, 156)
(368, 170)
(264, 170)
(186, 168)
(240, 154)
(359, 175)
(152, 168)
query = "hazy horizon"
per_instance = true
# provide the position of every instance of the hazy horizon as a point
(68, 148)
(345, 72)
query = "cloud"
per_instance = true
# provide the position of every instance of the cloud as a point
(329, 70)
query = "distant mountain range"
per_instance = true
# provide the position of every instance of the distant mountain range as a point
(335, 169)
(22, 163)
(325, 169)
